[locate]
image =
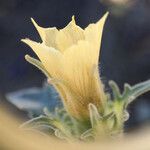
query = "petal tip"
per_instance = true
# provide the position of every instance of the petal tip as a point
(26, 40)
(73, 19)
(34, 23)
(105, 15)
(30, 42)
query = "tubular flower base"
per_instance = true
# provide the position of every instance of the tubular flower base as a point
(69, 59)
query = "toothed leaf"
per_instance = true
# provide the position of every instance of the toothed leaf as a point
(131, 93)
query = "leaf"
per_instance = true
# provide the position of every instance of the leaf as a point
(42, 120)
(94, 115)
(54, 124)
(131, 93)
(115, 90)
(60, 135)
(109, 116)
(87, 134)
(48, 113)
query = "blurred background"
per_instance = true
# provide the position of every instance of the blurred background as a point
(125, 52)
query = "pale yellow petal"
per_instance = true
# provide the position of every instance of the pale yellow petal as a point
(70, 99)
(50, 57)
(69, 36)
(48, 35)
(93, 33)
(79, 62)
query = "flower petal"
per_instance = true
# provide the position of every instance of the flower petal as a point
(71, 100)
(60, 39)
(50, 57)
(69, 36)
(48, 35)
(93, 33)
(79, 62)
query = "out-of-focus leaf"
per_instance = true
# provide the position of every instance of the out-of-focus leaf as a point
(34, 100)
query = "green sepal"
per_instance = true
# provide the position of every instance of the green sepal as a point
(37, 64)
(94, 115)
(115, 90)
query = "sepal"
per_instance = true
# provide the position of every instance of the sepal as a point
(37, 64)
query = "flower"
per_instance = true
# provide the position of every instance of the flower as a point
(70, 56)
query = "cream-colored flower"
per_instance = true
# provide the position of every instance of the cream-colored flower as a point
(70, 56)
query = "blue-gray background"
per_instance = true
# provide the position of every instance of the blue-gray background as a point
(125, 53)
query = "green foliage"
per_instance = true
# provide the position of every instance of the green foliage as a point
(108, 124)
